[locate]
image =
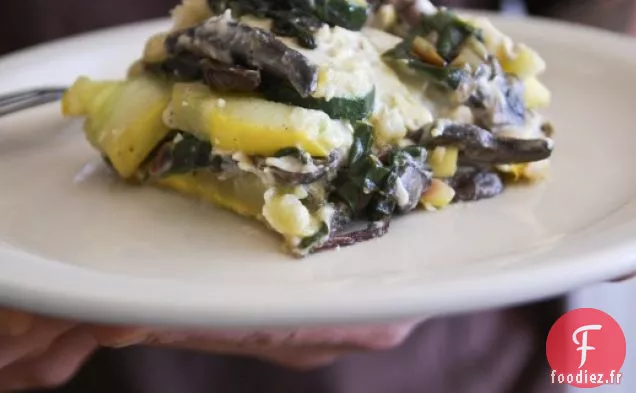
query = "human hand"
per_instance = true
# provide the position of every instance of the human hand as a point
(38, 352)
(304, 348)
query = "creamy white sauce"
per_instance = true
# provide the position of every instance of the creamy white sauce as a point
(219, 25)
(424, 6)
(389, 125)
(530, 130)
(351, 62)
(290, 164)
(401, 194)
(244, 162)
(325, 214)
(286, 214)
(394, 91)
(439, 126)
(168, 117)
(349, 59)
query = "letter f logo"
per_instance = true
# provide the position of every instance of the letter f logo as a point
(583, 344)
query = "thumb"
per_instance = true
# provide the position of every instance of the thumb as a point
(119, 337)
(14, 323)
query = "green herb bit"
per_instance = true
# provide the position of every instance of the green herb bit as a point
(447, 77)
(313, 240)
(369, 185)
(451, 31)
(362, 142)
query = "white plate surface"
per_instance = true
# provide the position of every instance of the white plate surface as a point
(75, 242)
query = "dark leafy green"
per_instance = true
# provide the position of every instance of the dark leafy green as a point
(298, 25)
(190, 153)
(451, 31)
(343, 13)
(291, 18)
(369, 185)
(362, 143)
(449, 34)
(298, 18)
(448, 77)
(183, 155)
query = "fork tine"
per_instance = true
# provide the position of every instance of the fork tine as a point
(26, 94)
(13, 102)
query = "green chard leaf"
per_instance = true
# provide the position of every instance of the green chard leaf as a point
(362, 142)
(448, 77)
(369, 185)
(350, 14)
(299, 18)
(182, 154)
(451, 31)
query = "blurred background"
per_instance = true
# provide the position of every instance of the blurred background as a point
(28, 22)
(616, 300)
(25, 23)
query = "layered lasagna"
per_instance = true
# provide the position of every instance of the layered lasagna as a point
(323, 119)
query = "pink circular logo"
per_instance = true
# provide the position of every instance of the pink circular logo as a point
(586, 348)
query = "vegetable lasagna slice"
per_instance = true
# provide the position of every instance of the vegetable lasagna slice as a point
(313, 115)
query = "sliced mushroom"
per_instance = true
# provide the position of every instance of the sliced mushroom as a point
(183, 66)
(229, 42)
(372, 231)
(480, 146)
(413, 182)
(221, 77)
(295, 172)
(472, 185)
(497, 99)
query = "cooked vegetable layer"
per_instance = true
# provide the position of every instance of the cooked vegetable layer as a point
(292, 113)
(255, 126)
(124, 120)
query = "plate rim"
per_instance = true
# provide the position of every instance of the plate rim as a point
(369, 307)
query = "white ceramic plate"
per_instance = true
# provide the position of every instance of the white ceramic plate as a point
(75, 242)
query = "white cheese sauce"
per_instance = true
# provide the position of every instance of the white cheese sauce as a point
(401, 194)
(290, 164)
(351, 63)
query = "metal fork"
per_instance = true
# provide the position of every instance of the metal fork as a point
(17, 101)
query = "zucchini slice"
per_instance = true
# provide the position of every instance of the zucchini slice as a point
(345, 86)
(242, 194)
(281, 210)
(124, 120)
(253, 125)
(340, 93)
